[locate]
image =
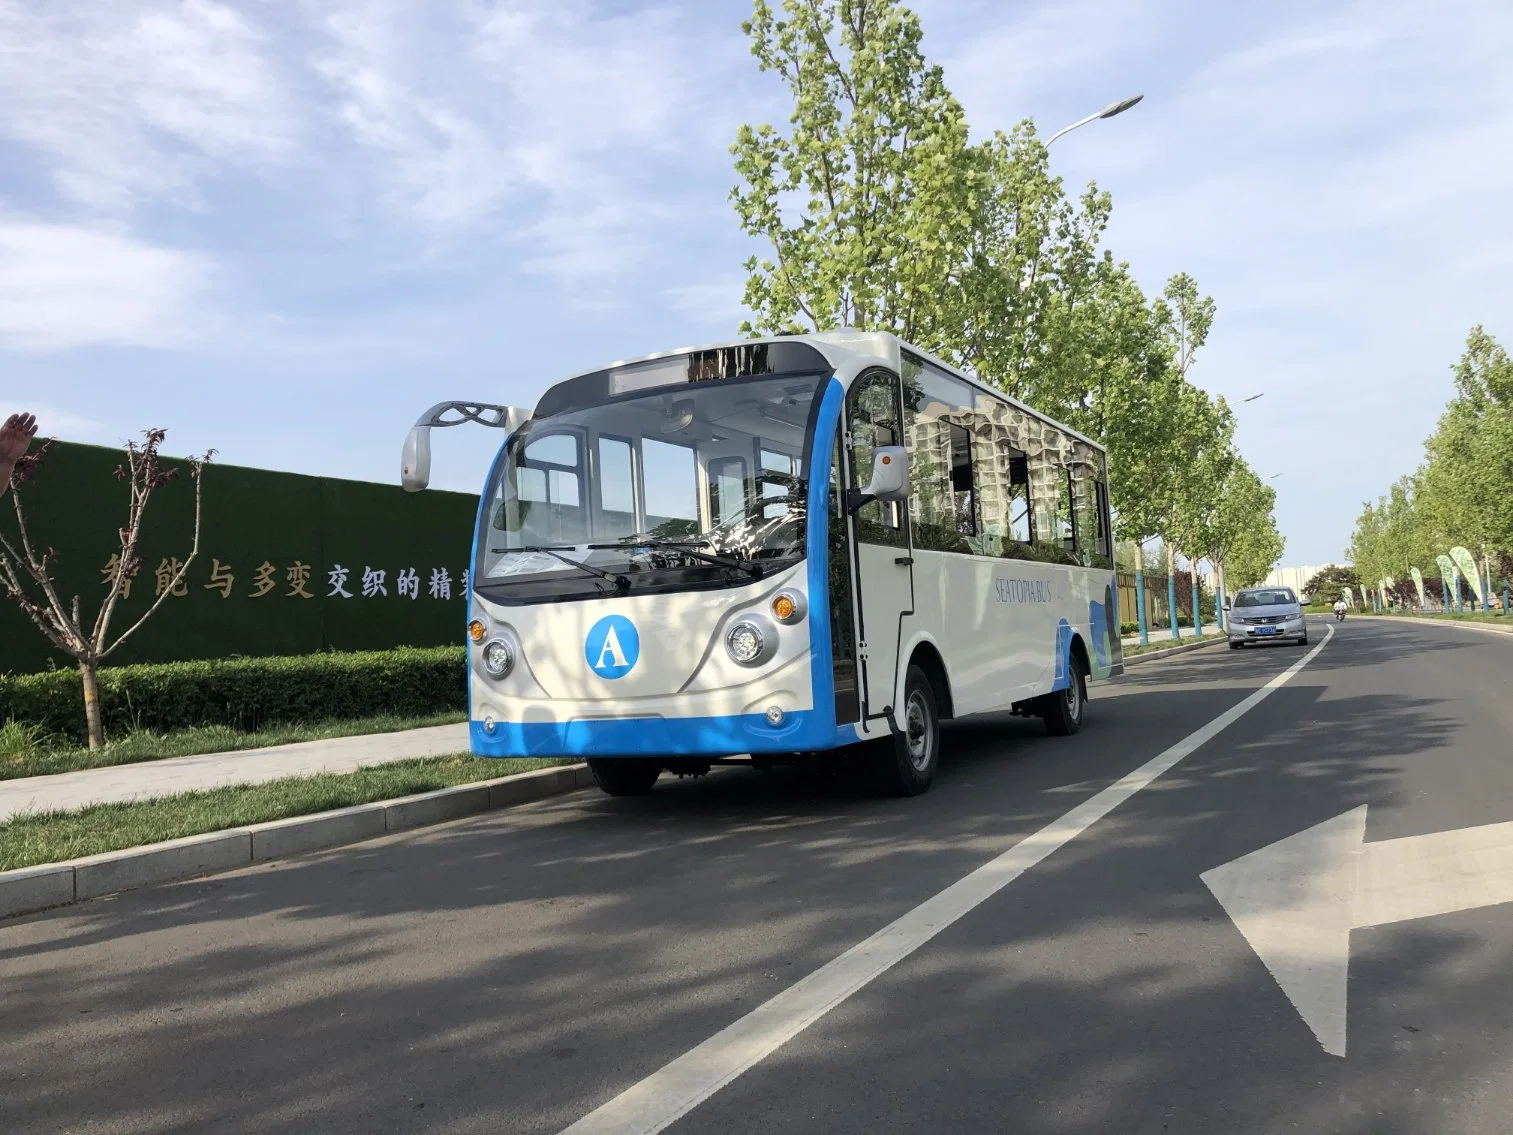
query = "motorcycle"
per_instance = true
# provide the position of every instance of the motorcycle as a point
(1339, 616)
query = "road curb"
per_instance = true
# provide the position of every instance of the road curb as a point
(1137, 659)
(27, 890)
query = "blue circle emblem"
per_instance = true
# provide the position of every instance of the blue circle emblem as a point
(612, 647)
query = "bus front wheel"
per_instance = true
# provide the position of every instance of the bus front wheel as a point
(906, 762)
(624, 776)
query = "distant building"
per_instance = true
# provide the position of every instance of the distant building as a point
(1293, 577)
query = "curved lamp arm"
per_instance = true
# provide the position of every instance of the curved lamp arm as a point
(415, 461)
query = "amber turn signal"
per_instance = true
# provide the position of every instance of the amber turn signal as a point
(476, 630)
(789, 607)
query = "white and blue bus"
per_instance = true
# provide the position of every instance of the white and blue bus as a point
(772, 549)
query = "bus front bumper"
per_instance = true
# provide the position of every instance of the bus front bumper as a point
(800, 730)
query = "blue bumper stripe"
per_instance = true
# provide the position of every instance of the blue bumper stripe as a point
(660, 736)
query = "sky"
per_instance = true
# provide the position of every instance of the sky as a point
(284, 229)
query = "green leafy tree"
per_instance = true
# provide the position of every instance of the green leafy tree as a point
(878, 151)
(972, 251)
(1330, 582)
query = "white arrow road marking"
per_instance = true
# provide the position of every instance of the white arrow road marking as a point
(680, 1086)
(1297, 901)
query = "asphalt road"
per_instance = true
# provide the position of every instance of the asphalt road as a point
(516, 971)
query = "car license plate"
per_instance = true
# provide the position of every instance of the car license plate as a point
(1266, 630)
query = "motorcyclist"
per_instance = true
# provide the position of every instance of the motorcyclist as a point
(1339, 608)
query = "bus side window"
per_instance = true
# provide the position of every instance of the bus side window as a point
(549, 491)
(785, 466)
(942, 487)
(670, 478)
(617, 488)
(875, 416)
(1066, 512)
(727, 490)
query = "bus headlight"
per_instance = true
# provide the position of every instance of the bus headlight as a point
(789, 607)
(498, 659)
(751, 641)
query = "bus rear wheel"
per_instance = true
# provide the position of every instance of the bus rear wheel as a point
(905, 763)
(1062, 711)
(624, 776)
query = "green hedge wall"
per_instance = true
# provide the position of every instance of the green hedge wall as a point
(288, 564)
(245, 693)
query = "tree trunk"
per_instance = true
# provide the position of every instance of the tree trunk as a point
(87, 672)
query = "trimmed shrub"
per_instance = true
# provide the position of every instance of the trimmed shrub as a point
(245, 693)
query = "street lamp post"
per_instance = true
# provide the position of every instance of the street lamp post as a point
(1109, 111)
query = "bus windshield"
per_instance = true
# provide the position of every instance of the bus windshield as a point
(698, 485)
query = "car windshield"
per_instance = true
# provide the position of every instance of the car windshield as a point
(1271, 597)
(689, 486)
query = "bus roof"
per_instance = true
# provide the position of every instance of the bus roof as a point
(878, 343)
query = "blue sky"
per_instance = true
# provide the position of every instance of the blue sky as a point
(284, 229)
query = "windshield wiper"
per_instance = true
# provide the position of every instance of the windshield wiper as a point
(732, 563)
(621, 582)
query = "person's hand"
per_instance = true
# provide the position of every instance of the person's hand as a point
(16, 437)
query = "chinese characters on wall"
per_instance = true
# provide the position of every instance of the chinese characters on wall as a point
(291, 581)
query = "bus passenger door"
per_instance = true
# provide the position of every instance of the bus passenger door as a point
(884, 579)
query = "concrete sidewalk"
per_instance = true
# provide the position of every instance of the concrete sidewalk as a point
(1161, 634)
(148, 779)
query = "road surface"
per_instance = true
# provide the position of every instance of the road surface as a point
(1140, 963)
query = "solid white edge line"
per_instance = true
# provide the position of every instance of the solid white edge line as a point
(681, 1085)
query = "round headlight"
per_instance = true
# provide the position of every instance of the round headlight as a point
(788, 607)
(498, 658)
(746, 643)
(752, 640)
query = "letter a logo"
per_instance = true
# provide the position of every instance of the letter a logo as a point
(612, 647)
(610, 654)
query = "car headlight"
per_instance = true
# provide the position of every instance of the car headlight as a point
(498, 659)
(751, 641)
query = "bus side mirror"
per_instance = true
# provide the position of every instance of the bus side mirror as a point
(890, 478)
(415, 460)
(415, 463)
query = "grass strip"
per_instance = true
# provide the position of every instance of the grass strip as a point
(26, 751)
(1170, 644)
(1496, 617)
(50, 837)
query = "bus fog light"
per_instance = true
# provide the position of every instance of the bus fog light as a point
(774, 715)
(752, 641)
(498, 658)
(789, 607)
(488, 723)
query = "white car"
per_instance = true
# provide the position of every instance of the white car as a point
(1266, 614)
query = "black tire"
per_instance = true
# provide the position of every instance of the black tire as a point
(1236, 645)
(905, 763)
(624, 776)
(1303, 641)
(1062, 711)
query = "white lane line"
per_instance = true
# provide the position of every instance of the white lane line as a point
(680, 1086)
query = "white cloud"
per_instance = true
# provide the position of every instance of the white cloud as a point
(556, 127)
(65, 286)
(129, 102)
